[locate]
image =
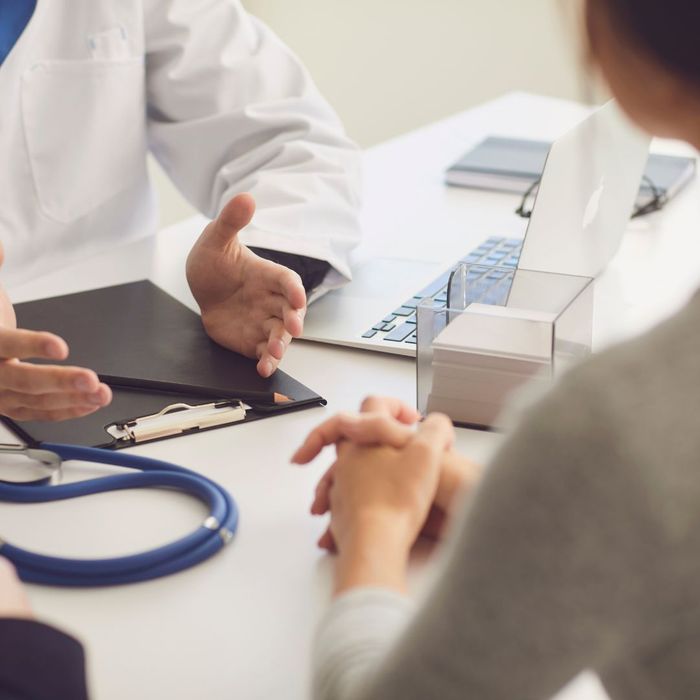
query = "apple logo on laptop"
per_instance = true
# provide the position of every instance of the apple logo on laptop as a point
(593, 206)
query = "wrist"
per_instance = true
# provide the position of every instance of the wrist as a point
(375, 553)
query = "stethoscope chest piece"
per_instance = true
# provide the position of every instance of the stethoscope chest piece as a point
(30, 466)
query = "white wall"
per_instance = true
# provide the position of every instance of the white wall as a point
(388, 66)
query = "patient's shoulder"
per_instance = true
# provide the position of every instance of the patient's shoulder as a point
(651, 379)
(630, 418)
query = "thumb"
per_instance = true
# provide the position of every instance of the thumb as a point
(236, 215)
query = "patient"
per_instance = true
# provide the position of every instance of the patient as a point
(580, 546)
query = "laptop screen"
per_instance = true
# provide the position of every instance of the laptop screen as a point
(586, 196)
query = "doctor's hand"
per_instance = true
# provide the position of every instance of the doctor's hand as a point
(42, 392)
(248, 304)
(13, 599)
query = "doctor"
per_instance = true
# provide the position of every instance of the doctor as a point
(88, 88)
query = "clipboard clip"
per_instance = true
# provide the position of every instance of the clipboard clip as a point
(177, 418)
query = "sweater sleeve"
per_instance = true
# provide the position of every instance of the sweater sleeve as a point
(354, 634)
(545, 576)
(38, 662)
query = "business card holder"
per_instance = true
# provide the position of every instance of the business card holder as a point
(500, 329)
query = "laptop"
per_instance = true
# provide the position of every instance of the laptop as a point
(587, 192)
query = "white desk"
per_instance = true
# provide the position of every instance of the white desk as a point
(239, 626)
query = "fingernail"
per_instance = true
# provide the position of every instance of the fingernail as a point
(96, 398)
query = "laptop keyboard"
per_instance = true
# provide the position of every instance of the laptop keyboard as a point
(487, 286)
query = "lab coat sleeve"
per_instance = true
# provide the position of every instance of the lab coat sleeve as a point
(231, 109)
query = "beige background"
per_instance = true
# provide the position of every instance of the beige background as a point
(389, 66)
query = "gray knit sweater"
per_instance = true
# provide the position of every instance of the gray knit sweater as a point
(580, 549)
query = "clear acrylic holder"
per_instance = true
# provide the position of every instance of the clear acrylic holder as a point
(499, 329)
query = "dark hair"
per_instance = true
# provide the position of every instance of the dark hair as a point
(667, 29)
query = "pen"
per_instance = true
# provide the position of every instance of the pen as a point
(270, 398)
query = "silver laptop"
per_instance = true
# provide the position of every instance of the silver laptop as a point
(588, 189)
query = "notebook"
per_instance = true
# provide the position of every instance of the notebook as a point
(140, 332)
(512, 165)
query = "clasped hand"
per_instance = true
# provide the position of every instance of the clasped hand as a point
(390, 481)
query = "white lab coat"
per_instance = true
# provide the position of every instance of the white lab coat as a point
(225, 107)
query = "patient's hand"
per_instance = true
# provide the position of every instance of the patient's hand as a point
(390, 423)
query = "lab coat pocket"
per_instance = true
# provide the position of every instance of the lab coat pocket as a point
(84, 123)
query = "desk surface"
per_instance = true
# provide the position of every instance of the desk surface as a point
(240, 625)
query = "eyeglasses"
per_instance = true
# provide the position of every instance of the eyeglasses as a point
(657, 200)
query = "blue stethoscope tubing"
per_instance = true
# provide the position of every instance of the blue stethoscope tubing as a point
(208, 539)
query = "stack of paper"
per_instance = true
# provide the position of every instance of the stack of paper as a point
(483, 356)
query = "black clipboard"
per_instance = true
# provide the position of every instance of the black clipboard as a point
(140, 332)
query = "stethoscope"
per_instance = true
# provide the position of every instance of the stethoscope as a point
(213, 534)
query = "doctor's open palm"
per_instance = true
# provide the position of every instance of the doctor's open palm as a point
(248, 304)
(42, 392)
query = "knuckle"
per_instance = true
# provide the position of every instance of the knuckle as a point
(344, 419)
(21, 383)
(65, 380)
(19, 413)
(283, 334)
(441, 421)
(341, 420)
(55, 415)
(380, 422)
(8, 401)
(289, 278)
(294, 278)
(369, 403)
(39, 401)
(422, 447)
